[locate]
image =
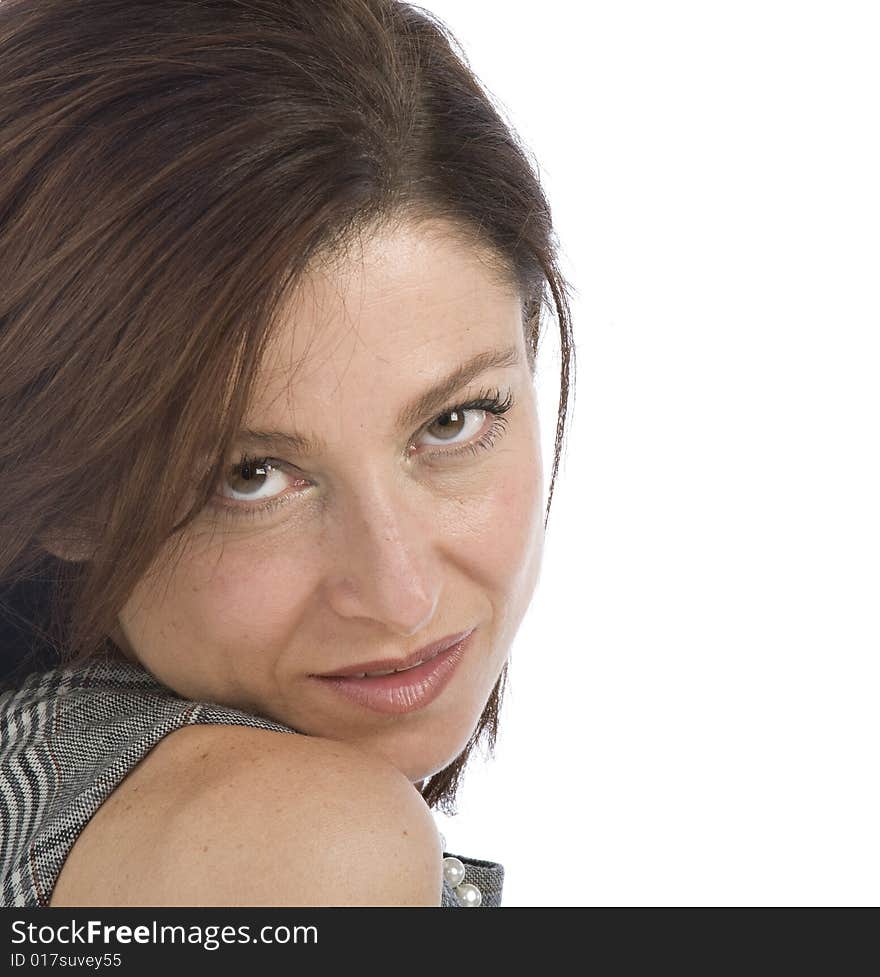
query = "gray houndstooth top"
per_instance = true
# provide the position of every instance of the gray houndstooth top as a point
(69, 736)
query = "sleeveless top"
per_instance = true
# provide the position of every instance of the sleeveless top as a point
(69, 736)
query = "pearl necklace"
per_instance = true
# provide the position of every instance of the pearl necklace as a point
(453, 872)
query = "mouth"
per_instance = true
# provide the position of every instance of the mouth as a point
(407, 687)
(389, 666)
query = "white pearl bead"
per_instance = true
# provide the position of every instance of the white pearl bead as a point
(453, 870)
(468, 895)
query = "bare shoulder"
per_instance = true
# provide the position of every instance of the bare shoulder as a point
(237, 816)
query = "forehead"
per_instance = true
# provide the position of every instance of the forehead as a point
(396, 310)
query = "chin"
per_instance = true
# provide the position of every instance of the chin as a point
(419, 764)
(419, 772)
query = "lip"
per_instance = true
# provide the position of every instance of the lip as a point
(383, 664)
(407, 691)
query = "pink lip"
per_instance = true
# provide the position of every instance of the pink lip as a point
(402, 692)
(381, 665)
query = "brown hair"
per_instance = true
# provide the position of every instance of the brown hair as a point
(169, 168)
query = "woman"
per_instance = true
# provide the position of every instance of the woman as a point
(273, 275)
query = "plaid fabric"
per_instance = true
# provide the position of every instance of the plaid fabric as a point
(69, 736)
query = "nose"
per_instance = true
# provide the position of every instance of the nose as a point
(385, 567)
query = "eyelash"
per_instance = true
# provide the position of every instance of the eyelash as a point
(489, 401)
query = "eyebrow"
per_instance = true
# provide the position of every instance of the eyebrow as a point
(431, 401)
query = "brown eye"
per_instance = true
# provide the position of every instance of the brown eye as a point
(457, 426)
(448, 425)
(248, 477)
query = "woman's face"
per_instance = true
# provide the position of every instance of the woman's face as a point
(403, 525)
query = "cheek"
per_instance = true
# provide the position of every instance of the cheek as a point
(253, 601)
(241, 598)
(499, 530)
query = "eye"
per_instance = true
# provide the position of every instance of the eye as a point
(464, 428)
(458, 425)
(256, 480)
(255, 486)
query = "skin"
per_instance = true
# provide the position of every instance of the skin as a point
(386, 543)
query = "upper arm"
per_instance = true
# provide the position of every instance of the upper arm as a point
(272, 819)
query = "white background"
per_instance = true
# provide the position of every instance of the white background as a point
(692, 716)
